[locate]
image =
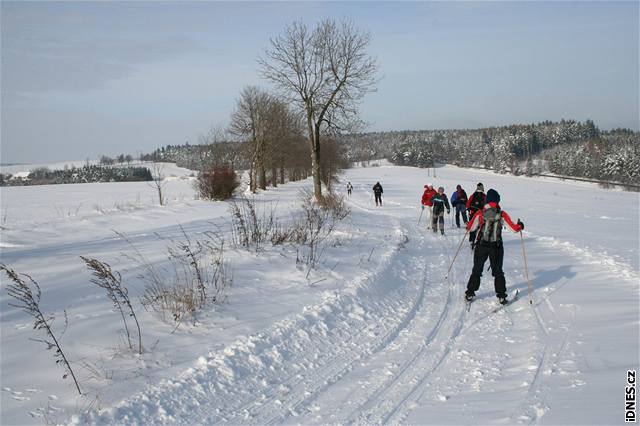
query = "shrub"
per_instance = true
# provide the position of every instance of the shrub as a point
(217, 183)
(251, 226)
(335, 204)
(197, 275)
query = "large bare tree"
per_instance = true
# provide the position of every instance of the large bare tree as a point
(249, 120)
(326, 72)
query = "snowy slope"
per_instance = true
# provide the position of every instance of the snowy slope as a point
(374, 335)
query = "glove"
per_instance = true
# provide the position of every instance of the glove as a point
(422, 206)
(521, 224)
(448, 211)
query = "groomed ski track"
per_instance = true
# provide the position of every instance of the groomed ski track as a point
(395, 346)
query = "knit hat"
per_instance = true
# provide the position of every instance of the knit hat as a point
(492, 196)
(480, 187)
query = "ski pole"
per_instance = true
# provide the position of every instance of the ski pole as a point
(458, 251)
(421, 211)
(526, 269)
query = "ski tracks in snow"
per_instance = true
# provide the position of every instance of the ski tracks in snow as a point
(394, 346)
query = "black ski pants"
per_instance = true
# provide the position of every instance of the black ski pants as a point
(378, 198)
(495, 253)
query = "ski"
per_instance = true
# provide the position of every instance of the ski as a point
(468, 303)
(509, 302)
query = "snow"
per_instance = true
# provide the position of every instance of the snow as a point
(374, 334)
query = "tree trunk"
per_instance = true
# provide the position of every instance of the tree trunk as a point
(262, 176)
(252, 180)
(315, 164)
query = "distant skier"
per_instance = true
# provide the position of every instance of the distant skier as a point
(440, 202)
(474, 204)
(377, 191)
(489, 222)
(459, 202)
(428, 193)
(349, 188)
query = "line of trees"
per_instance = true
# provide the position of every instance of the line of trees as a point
(84, 174)
(567, 147)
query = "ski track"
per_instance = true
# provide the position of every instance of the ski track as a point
(411, 328)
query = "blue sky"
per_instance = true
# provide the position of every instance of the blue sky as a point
(81, 79)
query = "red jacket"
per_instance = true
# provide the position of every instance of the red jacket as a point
(478, 219)
(426, 197)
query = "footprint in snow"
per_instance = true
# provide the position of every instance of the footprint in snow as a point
(20, 398)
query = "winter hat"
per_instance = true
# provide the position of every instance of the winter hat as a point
(480, 187)
(458, 187)
(492, 196)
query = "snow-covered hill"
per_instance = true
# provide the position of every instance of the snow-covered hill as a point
(374, 335)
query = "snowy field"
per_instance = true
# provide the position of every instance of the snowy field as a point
(374, 334)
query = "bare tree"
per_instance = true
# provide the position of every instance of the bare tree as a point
(326, 72)
(249, 120)
(284, 130)
(157, 172)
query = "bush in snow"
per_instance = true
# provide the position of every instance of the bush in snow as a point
(197, 275)
(217, 183)
(27, 294)
(251, 226)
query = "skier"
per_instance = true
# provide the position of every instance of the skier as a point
(489, 221)
(459, 202)
(474, 204)
(429, 192)
(439, 201)
(377, 191)
(349, 188)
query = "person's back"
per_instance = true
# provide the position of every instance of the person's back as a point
(488, 222)
(475, 203)
(459, 203)
(377, 192)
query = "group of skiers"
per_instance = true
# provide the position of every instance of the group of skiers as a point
(485, 224)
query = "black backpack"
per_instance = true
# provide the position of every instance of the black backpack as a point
(477, 201)
(491, 231)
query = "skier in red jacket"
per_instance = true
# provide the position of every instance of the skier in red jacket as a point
(488, 222)
(429, 192)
